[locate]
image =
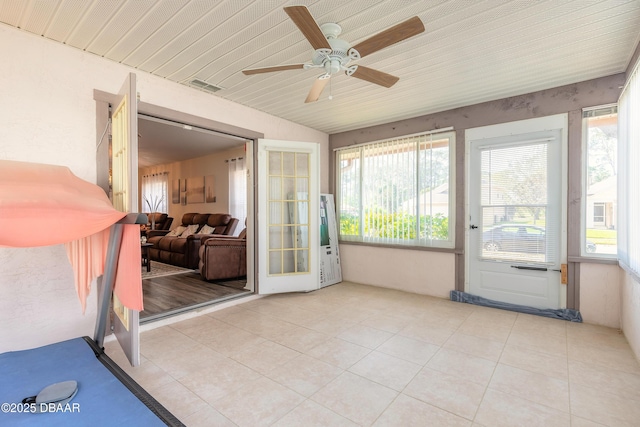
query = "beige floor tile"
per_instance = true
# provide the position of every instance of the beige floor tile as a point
(304, 374)
(463, 365)
(230, 340)
(387, 323)
(475, 346)
(258, 403)
(485, 330)
(535, 361)
(547, 343)
(622, 359)
(581, 422)
(188, 362)
(541, 325)
(328, 325)
(608, 409)
(356, 398)
(365, 336)
(409, 349)
(260, 324)
(158, 348)
(406, 411)
(265, 357)
(537, 388)
(386, 370)
(431, 333)
(207, 417)
(338, 352)
(301, 339)
(456, 395)
(310, 414)
(289, 312)
(354, 312)
(602, 378)
(503, 410)
(178, 399)
(609, 338)
(491, 317)
(218, 380)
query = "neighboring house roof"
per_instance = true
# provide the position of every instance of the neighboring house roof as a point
(604, 191)
(439, 196)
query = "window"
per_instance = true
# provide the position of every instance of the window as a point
(629, 184)
(600, 186)
(398, 192)
(155, 192)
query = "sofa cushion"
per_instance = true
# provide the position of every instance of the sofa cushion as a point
(218, 219)
(191, 229)
(177, 231)
(206, 229)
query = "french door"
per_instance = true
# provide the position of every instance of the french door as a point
(124, 161)
(516, 233)
(288, 216)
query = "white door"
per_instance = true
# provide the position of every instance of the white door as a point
(516, 233)
(288, 216)
(124, 161)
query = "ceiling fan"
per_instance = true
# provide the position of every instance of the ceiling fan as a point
(334, 55)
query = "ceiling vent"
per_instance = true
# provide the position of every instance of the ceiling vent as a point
(201, 84)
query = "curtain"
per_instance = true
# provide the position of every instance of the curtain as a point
(629, 174)
(155, 192)
(238, 191)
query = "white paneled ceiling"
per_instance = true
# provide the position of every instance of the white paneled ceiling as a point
(470, 52)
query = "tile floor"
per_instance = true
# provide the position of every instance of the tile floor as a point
(355, 355)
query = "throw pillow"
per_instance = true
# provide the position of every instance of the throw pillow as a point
(191, 229)
(206, 229)
(177, 231)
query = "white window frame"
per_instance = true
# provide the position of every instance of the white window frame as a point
(449, 243)
(587, 210)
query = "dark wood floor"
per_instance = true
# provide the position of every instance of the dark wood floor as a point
(167, 294)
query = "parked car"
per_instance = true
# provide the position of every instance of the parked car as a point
(520, 238)
(515, 238)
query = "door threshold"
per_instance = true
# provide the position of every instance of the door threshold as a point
(193, 307)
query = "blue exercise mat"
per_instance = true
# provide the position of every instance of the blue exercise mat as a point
(101, 400)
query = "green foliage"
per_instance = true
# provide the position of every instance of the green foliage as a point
(395, 226)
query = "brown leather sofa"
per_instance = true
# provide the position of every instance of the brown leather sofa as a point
(184, 252)
(223, 257)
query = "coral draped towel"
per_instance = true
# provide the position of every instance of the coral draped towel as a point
(44, 205)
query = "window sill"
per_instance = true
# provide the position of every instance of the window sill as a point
(408, 247)
(593, 260)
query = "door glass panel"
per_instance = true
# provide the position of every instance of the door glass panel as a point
(275, 187)
(288, 164)
(288, 215)
(275, 163)
(275, 262)
(302, 164)
(514, 204)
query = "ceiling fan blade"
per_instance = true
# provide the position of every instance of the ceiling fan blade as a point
(316, 90)
(374, 76)
(301, 16)
(271, 69)
(395, 34)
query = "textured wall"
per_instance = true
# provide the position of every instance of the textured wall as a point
(49, 116)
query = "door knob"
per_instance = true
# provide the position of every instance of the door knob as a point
(473, 227)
